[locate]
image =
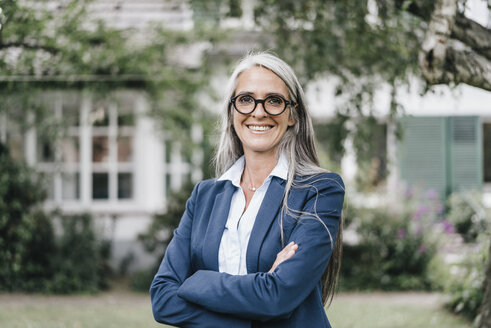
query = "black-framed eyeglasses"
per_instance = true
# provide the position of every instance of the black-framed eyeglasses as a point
(272, 104)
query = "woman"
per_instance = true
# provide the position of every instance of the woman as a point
(227, 265)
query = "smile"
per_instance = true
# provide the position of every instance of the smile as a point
(259, 127)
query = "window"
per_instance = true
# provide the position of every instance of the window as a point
(125, 185)
(95, 154)
(100, 186)
(100, 149)
(112, 148)
(70, 187)
(45, 151)
(15, 143)
(70, 151)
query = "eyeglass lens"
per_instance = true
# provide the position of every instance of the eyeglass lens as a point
(274, 105)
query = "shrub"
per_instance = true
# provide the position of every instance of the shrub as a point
(32, 257)
(466, 286)
(466, 213)
(159, 234)
(396, 245)
(82, 259)
(26, 234)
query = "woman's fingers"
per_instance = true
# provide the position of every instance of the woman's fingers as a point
(284, 255)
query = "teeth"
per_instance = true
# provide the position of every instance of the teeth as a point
(259, 127)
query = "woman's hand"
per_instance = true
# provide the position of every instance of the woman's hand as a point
(284, 255)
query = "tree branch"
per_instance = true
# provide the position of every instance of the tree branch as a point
(444, 61)
(25, 45)
(431, 57)
(472, 34)
(464, 66)
(464, 29)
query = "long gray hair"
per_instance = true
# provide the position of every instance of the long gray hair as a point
(297, 144)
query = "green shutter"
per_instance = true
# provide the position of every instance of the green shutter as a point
(423, 152)
(442, 153)
(465, 160)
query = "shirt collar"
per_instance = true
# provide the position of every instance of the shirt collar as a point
(234, 173)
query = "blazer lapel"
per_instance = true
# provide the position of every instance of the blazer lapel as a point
(216, 225)
(265, 217)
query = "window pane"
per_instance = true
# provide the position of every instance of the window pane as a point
(45, 151)
(125, 185)
(16, 146)
(70, 150)
(100, 149)
(168, 151)
(167, 184)
(100, 186)
(70, 186)
(125, 149)
(100, 114)
(126, 105)
(70, 109)
(126, 119)
(49, 185)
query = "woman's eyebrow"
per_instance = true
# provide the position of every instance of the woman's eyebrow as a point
(267, 94)
(245, 93)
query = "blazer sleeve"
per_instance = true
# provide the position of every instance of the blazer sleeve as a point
(264, 296)
(167, 306)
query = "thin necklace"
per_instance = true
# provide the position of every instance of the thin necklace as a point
(251, 186)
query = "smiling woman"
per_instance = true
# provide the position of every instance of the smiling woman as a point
(254, 246)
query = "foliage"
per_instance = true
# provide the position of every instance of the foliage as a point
(45, 47)
(396, 245)
(467, 214)
(82, 259)
(26, 235)
(344, 40)
(466, 286)
(33, 257)
(160, 232)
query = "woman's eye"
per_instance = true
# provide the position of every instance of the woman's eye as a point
(275, 101)
(245, 100)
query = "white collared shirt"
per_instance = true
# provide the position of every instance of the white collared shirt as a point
(235, 238)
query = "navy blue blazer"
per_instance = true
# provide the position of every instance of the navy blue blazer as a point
(188, 290)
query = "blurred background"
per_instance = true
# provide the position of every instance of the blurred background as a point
(108, 116)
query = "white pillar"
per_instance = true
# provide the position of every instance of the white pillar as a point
(85, 151)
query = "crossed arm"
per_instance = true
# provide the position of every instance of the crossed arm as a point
(188, 299)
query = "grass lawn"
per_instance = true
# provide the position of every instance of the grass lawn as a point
(391, 310)
(127, 309)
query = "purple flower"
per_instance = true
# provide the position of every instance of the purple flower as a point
(448, 227)
(439, 208)
(401, 233)
(422, 249)
(420, 211)
(419, 229)
(432, 194)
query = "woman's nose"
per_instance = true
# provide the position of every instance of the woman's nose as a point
(259, 111)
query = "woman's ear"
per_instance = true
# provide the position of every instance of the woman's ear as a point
(291, 119)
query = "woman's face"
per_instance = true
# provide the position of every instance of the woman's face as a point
(258, 131)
